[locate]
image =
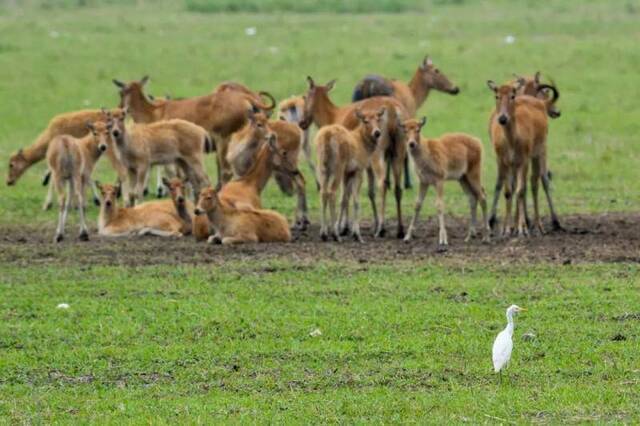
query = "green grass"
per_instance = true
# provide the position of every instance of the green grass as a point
(406, 342)
(401, 342)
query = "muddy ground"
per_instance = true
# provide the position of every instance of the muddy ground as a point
(588, 238)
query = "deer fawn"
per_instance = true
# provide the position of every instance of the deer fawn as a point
(342, 156)
(235, 225)
(72, 161)
(143, 219)
(518, 128)
(165, 142)
(453, 156)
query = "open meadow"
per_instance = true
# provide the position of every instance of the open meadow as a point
(168, 330)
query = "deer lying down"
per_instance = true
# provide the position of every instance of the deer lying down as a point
(453, 156)
(145, 218)
(342, 157)
(166, 142)
(241, 225)
(72, 161)
(243, 154)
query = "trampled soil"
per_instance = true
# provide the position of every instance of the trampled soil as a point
(588, 238)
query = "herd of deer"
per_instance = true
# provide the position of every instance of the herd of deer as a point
(375, 134)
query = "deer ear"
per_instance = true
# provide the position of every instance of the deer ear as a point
(90, 127)
(272, 142)
(382, 111)
(426, 63)
(119, 84)
(166, 182)
(491, 85)
(20, 153)
(537, 76)
(423, 121)
(311, 82)
(331, 84)
(98, 185)
(251, 115)
(359, 114)
(119, 189)
(144, 80)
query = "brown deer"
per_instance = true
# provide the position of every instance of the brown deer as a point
(246, 143)
(143, 219)
(72, 161)
(322, 111)
(173, 141)
(181, 205)
(342, 156)
(518, 127)
(221, 113)
(452, 156)
(235, 225)
(71, 123)
(412, 95)
(291, 110)
(529, 85)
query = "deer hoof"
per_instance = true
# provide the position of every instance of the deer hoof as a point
(58, 238)
(84, 236)
(493, 221)
(442, 248)
(324, 237)
(400, 233)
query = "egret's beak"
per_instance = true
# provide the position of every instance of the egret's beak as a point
(522, 309)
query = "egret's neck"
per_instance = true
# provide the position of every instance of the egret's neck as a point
(510, 323)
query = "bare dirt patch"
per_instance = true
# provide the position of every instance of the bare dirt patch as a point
(588, 238)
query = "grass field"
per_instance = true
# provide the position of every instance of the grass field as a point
(405, 340)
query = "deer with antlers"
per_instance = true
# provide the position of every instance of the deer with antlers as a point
(518, 127)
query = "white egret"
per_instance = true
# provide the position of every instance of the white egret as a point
(503, 344)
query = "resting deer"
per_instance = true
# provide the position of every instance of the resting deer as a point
(235, 225)
(320, 109)
(244, 148)
(291, 110)
(143, 219)
(221, 113)
(518, 127)
(175, 141)
(342, 156)
(412, 95)
(71, 162)
(452, 156)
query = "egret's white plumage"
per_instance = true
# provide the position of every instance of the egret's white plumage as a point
(503, 344)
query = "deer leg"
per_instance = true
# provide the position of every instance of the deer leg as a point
(535, 181)
(324, 201)
(442, 232)
(407, 174)
(473, 208)
(343, 227)
(416, 213)
(398, 167)
(332, 208)
(64, 201)
(355, 193)
(160, 190)
(48, 201)
(502, 174)
(508, 195)
(79, 184)
(371, 185)
(546, 185)
(520, 193)
(378, 166)
(240, 239)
